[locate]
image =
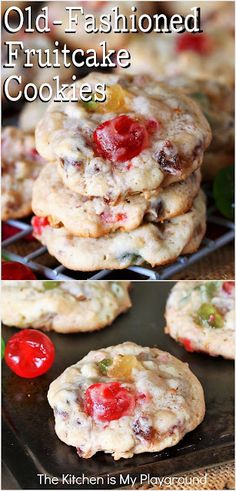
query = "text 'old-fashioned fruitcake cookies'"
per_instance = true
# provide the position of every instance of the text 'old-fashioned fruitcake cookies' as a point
(21, 164)
(156, 244)
(201, 316)
(63, 306)
(126, 400)
(132, 142)
(95, 217)
(38, 75)
(76, 37)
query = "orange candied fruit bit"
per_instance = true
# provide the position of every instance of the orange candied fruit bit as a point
(122, 366)
(116, 100)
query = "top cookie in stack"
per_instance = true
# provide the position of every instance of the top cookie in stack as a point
(115, 169)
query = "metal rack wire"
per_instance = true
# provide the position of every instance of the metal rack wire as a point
(33, 257)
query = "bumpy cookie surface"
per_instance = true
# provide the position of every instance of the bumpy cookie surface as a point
(126, 400)
(200, 315)
(63, 306)
(133, 142)
(94, 217)
(207, 55)
(156, 244)
(21, 164)
(217, 104)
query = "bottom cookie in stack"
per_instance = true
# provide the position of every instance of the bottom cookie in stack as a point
(155, 243)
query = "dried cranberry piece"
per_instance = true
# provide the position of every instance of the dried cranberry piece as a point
(108, 401)
(120, 139)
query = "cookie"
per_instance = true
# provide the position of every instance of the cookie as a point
(21, 164)
(156, 244)
(63, 306)
(207, 55)
(126, 400)
(200, 315)
(131, 143)
(95, 217)
(216, 101)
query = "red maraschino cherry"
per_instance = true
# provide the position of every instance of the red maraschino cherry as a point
(29, 353)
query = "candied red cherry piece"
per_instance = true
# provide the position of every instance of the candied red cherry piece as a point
(11, 270)
(29, 353)
(152, 125)
(33, 154)
(197, 42)
(187, 344)
(38, 224)
(108, 217)
(108, 401)
(228, 286)
(120, 139)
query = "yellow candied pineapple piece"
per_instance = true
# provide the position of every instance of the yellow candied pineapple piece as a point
(122, 366)
(116, 100)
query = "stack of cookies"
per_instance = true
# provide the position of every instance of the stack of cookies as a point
(122, 183)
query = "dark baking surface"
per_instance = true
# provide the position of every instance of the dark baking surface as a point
(30, 445)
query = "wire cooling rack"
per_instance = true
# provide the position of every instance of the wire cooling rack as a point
(22, 248)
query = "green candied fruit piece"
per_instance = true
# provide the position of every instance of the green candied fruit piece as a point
(201, 98)
(104, 365)
(134, 259)
(2, 348)
(207, 315)
(91, 105)
(50, 284)
(209, 288)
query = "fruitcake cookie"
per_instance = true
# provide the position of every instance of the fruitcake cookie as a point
(95, 217)
(126, 400)
(21, 164)
(217, 104)
(200, 315)
(207, 55)
(156, 244)
(63, 306)
(128, 144)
